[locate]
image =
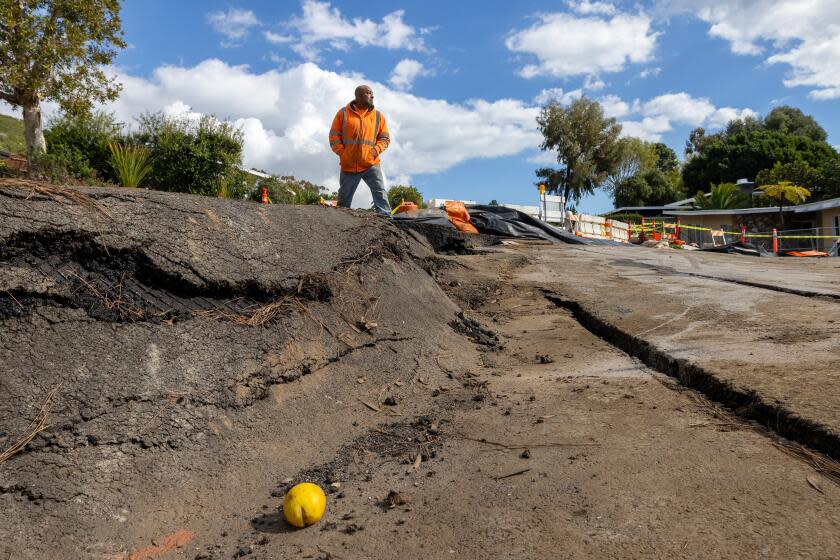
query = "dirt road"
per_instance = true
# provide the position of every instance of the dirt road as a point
(452, 406)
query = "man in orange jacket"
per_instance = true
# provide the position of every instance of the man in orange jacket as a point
(359, 135)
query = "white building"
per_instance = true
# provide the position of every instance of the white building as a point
(439, 202)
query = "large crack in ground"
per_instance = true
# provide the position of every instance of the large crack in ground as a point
(124, 284)
(744, 403)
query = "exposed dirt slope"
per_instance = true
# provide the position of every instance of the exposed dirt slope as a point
(170, 326)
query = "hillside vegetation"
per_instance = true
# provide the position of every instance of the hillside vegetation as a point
(11, 134)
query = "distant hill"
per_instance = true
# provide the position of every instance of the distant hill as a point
(11, 135)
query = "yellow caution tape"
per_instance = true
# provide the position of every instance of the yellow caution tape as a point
(808, 237)
(695, 227)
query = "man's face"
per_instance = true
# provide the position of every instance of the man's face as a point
(364, 96)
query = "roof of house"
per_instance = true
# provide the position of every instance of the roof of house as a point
(669, 206)
(255, 173)
(728, 211)
(810, 207)
(683, 202)
(817, 206)
(632, 208)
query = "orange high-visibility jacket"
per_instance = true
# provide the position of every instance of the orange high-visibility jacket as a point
(354, 136)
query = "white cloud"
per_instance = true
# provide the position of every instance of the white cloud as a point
(648, 128)
(285, 116)
(825, 93)
(586, 7)
(321, 24)
(405, 72)
(659, 115)
(276, 38)
(679, 107)
(568, 45)
(648, 72)
(803, 34)
(593, 84)
(550, 95)
(650, 119)
(563, 97)
(614, 106)
(234, 24)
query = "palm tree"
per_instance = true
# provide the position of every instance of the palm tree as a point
(785, 191)
(723, 196)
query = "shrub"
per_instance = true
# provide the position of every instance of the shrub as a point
(407, 193)
(79, 145)
(196, 156)
(627, 217)
(306, 197)
(130, 163)
(288, 190)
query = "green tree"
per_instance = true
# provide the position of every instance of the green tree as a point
(823, 182)
(792, 121)
(653, 188)
(80, 143)
(697, 141)
(398, 193)
(746, 125)
(632, 191)
(722, 197)
(586, 144)
(666, 158)
(56, 50)
(829, 179)
(727, 158)
(785, 191)
(634, 156)
(196, 156)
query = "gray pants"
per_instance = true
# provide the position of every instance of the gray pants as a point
(373, 179)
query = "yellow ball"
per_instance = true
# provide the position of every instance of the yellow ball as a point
(304, 504)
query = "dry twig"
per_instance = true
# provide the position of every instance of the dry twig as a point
(517, 473)
(826, 466)
(59, 194)
(527, 446)
(35, 427)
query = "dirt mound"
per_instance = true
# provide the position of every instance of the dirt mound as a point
(170, 328)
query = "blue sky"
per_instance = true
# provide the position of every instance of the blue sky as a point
(461, 82)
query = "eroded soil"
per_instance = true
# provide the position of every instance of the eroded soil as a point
(449, 406)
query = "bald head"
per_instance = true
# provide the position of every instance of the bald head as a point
(364, 96)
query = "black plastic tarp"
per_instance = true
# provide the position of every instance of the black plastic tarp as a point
(495, 220)
(499, 220)
(738, 248)
(504, 222)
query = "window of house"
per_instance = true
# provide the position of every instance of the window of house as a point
(837, 224)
